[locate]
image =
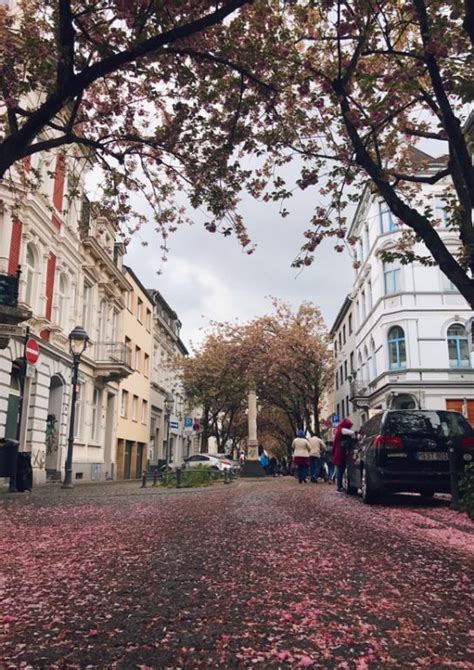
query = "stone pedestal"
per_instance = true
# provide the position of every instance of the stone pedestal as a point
(252, 466)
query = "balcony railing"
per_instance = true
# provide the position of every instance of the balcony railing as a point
(359, 388)
(112, 353)
(9, 288)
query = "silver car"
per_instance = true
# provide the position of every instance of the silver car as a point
(213, 461)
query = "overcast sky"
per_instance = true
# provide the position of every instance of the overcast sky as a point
(209, 277)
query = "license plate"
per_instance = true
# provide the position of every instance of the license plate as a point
(431, 456)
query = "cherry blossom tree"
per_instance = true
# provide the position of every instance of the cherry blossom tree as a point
(217, 98)
(285, 355)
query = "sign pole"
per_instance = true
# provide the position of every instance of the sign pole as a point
(12, 483)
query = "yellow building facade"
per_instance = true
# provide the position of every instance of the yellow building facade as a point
(134, 404)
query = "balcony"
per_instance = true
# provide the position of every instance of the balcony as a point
(11, 314)
(112, 361)
(360, 388)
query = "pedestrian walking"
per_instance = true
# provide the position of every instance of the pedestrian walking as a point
(273, 467)
(317, 450)
(264, 461)
(343, 431)
(301, 449)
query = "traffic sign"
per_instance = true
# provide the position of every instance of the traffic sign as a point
(6, 330)
(188, 423)
(174, 424)
(32, 351)
(335, 419)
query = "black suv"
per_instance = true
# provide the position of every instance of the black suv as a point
(407, 450)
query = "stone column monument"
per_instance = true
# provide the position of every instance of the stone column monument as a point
(252, 467)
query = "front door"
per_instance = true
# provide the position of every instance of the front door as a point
(127, 459)
(139, 462)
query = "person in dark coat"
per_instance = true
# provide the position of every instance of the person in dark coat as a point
(343, 431)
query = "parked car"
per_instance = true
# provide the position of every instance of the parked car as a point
(234, 465)
(213, 461)
(407, 450)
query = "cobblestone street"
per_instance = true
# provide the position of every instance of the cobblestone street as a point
(257, 574)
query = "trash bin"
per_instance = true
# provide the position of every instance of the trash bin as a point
(8, 460)
(24, 472)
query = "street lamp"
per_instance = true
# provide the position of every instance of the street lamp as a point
(169, 402)
(78, 339)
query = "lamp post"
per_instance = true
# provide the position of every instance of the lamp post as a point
(78, 339)
(169, 402)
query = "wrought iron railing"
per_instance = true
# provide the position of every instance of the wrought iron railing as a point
(9, 284)
(359, 388)
(114, 353)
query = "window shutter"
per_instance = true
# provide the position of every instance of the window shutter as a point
(15, 247)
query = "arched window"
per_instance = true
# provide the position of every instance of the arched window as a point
(63, 302)
(30, 270)
(397, 352)
(374, 362)
(458, 346)
(391, 277)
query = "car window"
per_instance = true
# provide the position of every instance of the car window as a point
(441, 423)
(372, 426)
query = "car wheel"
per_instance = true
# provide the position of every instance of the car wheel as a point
(369, 496)
(427, 494)
(348, 488)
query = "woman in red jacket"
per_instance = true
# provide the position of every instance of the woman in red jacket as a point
(343, 430)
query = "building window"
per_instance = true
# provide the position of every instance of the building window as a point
(63, 302)
(397, 353)
(387, 224)
(344, 333)
(337, 411)
(366, 240)
(348, 411)
(148, 319)
(341, 377)
(337, 381)
(31, 267)
(95, 418)
(146, 365)
(140, 310)
(340, 339)
(369, 297)
(391, 277)
(447, 285)
(135, 408)
(441, 212)
(138, 358)
(335, 347)
(124, 405)
(352, 368)
(350, 324)
(144, 411)
(458, 347)
(86, 306)
(345, 369)
(363, 304)
(374, 361)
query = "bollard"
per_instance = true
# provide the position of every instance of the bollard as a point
(226, 477)
(155, 474)
(453, 476)
(143, 479)
(178, 478)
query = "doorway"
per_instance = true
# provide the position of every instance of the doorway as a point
(53, 427)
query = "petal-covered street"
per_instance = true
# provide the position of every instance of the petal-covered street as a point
(261, 574)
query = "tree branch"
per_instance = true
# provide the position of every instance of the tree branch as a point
(65, 66)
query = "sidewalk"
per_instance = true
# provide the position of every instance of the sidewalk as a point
(94, 490)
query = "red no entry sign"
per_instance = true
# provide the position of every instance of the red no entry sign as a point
(32, 351)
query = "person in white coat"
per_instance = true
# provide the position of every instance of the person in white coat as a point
(317, 450)
(301, 449)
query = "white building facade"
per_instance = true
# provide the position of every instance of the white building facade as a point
(409, 347)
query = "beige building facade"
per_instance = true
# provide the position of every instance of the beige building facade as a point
(133, 423)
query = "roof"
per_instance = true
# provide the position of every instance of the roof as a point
(341, 314)
(129, 270)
